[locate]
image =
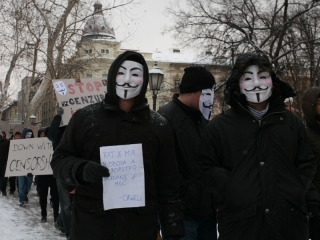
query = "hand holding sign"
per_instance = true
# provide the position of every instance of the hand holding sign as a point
(93, 172)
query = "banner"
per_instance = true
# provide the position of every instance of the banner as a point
(73, 94)
(125, 186)
(31, 155)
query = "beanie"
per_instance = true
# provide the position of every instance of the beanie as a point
(196, 78)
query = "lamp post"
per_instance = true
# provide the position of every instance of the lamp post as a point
(155, 80)
(33, 119)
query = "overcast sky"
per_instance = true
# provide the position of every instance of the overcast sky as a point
(149, 26)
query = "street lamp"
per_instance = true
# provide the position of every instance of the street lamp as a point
(232, 47)
(33, 119)
(155, 80)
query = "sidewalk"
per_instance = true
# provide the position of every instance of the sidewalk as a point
(23, 223)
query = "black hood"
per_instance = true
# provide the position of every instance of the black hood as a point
(25, 131)
(309, 100)
(232, 92)
(111, 95)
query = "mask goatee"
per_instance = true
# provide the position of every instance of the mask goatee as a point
(125, 94)
(258, 96)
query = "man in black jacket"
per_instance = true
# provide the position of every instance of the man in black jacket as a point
(188, 114)
(122, 118)
(311, 111)
(257, 157)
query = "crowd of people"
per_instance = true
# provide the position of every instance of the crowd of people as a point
(250, 173)
(60, 197)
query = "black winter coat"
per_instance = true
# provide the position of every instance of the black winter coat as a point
(4, 150)
(261, 170)
(187, 126)
(104, 124)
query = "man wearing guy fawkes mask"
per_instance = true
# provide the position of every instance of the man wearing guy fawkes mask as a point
(188, 114)
(122, 118)
(256, 158)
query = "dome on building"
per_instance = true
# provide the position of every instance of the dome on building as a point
(96, 26)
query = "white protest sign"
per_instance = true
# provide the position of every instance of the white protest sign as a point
(31, 155)
(125, 186)
(73, 94)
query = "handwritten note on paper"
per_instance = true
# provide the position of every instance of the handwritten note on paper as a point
(32, 155)
(125, 186)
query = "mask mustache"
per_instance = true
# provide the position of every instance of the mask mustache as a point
(256, 88)
(127, 84)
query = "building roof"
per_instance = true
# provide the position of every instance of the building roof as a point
(97, 26)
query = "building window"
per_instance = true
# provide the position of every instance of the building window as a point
(89, 51)
(176, 82)
(107, 51)
(89, 75)
(102, 50)
(104, 75)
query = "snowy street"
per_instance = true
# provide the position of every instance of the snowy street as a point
(23, 223)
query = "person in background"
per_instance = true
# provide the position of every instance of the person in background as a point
(122, 118)
(256, 157)
(4, 151)
(311, 111)
(44, 182)
(25, 182)
(288, 104)
(54, 133)
(13, 180)
(188, 114)
(4, 135)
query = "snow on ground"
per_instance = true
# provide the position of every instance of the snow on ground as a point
(23, 223)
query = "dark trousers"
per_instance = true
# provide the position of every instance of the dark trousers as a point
(3, 184)
(12, 183)
(44, 182)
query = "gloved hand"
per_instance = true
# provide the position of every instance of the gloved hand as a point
(59, 111)
(93, 172)
(314, 228)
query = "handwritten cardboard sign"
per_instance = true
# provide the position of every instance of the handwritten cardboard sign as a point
(73, 94)
(125, 186)
(31, 155)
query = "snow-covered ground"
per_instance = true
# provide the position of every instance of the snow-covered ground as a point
(23, 223)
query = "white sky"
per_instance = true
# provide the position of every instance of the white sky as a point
(149, 26)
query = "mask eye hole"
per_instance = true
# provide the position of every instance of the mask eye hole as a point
(135, 75)
(120, 73)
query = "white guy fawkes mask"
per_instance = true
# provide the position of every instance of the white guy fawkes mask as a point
(28, 135)
(206, 102)
(129, 79)
(256, 84)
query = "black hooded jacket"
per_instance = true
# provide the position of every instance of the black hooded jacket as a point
(309, 101)
(25, 131)
(105, 124)
(260, 169)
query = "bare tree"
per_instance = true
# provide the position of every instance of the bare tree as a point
(284, 30)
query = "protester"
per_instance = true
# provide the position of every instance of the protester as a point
(188, 114)
(256, 157)
(25, 182)
(4, 151)
(44, 182)
(311, 111)
(288, 104)
(54, 133)
(122, 118)
(4, 135)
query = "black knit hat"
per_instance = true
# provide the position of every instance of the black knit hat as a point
(195, 78)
